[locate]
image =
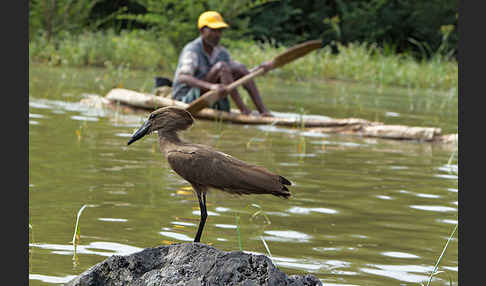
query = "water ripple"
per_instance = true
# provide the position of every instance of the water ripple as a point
(430, 196)
(383, 197)
(176, 235)
(399, 254)
(112, 219)
(287, 235)
(449, 221)
(34, 115)
(434, 208)
(445, 176)
(84, 118)
(400, 272)
(210, 213)
(51, 279)
(183, 223)
(302, 210)
(110, 248)
(227, 226)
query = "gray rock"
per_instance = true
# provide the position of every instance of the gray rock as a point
(191, 264)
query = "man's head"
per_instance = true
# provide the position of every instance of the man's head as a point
(211, 25)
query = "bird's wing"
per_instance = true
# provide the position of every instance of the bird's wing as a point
(206, 167)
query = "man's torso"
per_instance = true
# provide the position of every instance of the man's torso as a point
(194, 61)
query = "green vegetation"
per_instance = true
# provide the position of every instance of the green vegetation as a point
(77, 233)
(395, 25)
(140, 49)
(436, 267)
(136, 49)
(238, 232)
(385, 42)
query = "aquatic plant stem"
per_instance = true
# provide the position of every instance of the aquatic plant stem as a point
(441, 255)
(237, 218)
(266, 247)
(77, 233)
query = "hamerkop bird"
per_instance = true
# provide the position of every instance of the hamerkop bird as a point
(204, 167)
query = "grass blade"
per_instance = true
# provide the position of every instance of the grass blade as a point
(238, 232)
(76, 235)
(266, 247)
(434, 272)
(76, 228)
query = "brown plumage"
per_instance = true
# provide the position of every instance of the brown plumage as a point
(204, 167)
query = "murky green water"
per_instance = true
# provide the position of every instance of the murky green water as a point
(363, 211)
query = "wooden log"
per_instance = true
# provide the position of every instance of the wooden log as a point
(151, 102)
(136, 101)
(397, 132)
(401, 132)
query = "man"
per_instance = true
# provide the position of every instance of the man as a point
(205, 65)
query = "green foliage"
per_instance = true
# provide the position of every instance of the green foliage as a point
(420, 28)
(54, 16)
(177, 20)
(171, 18)
(288, 21)
(436, 267)
(385, 22)
(109, 10)
(365, 62)
(138, 49)
(391, 21)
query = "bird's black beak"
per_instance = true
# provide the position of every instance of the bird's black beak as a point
(142, 131)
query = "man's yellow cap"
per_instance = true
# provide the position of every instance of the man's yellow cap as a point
(211, 19)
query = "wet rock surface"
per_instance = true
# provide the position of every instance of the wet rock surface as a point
(189, 264)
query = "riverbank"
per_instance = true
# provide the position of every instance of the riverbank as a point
(141, 49)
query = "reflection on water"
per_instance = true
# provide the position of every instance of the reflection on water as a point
(400, 254)
(406, 273)
(435, 208)
(108, 248)
(364, 211)
(51, 279)
(176, 236)
(301, 210)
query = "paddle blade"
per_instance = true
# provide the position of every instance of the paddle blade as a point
(296, 52)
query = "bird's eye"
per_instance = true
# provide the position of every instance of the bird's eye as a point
(151, 116)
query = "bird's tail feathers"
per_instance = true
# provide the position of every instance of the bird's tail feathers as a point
(284, 193)
(284, 181)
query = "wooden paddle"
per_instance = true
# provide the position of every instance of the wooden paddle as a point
(295, 52)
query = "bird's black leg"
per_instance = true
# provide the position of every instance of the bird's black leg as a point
(204, 214)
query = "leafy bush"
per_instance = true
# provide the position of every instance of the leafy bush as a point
(177, 19)
(388, 23)
(139, 49)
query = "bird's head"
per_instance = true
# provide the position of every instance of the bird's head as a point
(165, 119)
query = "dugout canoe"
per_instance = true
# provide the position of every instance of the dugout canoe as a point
(130, 99)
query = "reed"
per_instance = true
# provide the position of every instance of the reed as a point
(255, 214)
(139, 49)
(362, 62)
(259, 212)
(436, 267)
(266, 247)
(452, 156)
(258, 142)
(237, 222)
(77, 232)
